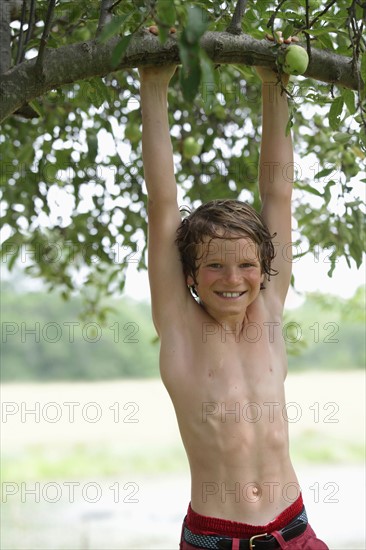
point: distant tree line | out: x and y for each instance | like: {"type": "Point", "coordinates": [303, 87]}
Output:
{"type": "Point", "coordinates": [44, 339]}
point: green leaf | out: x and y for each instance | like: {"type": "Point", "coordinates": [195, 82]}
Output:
{"type": "Point", "coordinates": [341, 137]}
{"type": "Point", "coordinates": [37, 108]}
{"type": "Point", "coordinates": [289, 31]}
{"type": "Point", "coordinates": [11, 247]}
{"type": "Point", "coordinates": [92, 141]}
{"type": "Point", "coordinates": [114, 27]}
{"type": "Point", "coordinates": [190, 79]}
{"type": "Point", "coordinates": [335, 112]}
{"type": "Point", "coordinates": [362, 138]}
{"type": "Point", "coordinates": [208, 85]}
{"type": "Point", "coordinates": [333, 262]}
{"type": "Point", "coordinates": [100, 90]}
{"type": "Point", "coordinates": [92, 93]}
{"type": "Point", "coordinates": [197, 23]}
{"type": "Point", "coordinates": [166, 15]}
{"type": "Point", "coordinates": [120, 49]}
{"type": "Point", "coordinates": [349, 99]}
{"type": "Point", "coordinates": [166, 12]}
{"type": "Point", "coordinates": [323, 173]}
{"type": "Point", "coordinates": [62, 159]}
{"type": "Point", "coordinates": [289, 124]}
{"type": "Point", "coordinates": [326, 41]}
{"type": "Point", "coordinates": [189, 50]}
{"type": "Point", "coordinates": [311, 190]}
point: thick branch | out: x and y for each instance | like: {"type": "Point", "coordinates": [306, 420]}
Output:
{"type": "Point", "coordinates": [85, 60]}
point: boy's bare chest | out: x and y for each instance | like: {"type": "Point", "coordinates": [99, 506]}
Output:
{"type": "Point", "coordinates": [218, 365]}
{"type": "Point", "coordinates": [253, 349]}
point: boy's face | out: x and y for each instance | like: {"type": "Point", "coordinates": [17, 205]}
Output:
{"type": "Point", "coordinates": [228, 277]}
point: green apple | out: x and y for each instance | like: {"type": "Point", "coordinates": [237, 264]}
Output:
{"type": "Point", "coordinates": [191, 147]}
{"type": "Point", "coordinates": [341, 137]}
{"type": "Point", "coordinates": [219, 111]}
{"type": "Point", "coordinates": [348, 159]}
{"type": "Point", "coordinates": [295, 60]}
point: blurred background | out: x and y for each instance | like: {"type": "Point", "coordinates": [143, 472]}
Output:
{"type": "Point", "coordinates": [91, 453]}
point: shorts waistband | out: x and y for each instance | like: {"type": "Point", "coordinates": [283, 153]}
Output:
{"type": "Point", "coordinates": [200, 524]}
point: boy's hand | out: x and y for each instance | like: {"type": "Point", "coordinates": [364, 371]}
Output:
{"type": "Point", "coordinates": [161, 74]}
{"type": "Point", "coordinates": [267, 75]}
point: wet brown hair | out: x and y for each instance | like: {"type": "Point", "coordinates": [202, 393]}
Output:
{"type": "Point", "coordinates": [220, 219]}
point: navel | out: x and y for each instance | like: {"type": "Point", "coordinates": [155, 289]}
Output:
{"type": "Point", "coordinates": [256, 490]}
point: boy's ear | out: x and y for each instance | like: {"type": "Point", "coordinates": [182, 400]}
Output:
{"type": "Point", "coordinates": [190, 281]}
{"type": "Point", "coordinates": [262, 287]}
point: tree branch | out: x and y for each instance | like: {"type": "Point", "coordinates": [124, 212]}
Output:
{"type": "Point", "coordinates": [356, 38]}
{"type": "Point", "coordinates": [307, 36]}
{"type": "Point", "coordinates": [235, 23]}
{"type": "Point", "coordinates": [5, 36]}
{"type": "Point", "coordinates": [45, 34]}
{"type": "Point", "coordinates": [105, 15]}
{"type": "Point", "coordinates": [74, 62]}
{"type": "Point", "coordinates": [31, 20]}
{"type": "Point", "coordinates": [20, 39]}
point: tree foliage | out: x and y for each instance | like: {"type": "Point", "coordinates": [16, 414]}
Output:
{"type": "Point", "coordinates": [73, 196]}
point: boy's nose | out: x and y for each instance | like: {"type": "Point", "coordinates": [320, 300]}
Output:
{"type": "Point", "coordinates": [232, 274]}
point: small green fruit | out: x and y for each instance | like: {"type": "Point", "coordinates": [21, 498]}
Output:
{"type": "Point", "coordinates": [295, 61]}
{"type": "Point", "coordinates": [348, 159]}
{"type": "Point", "coordinates": [341, 137]}
{"type": "Point", "coordinates": [191, 148]}
{"type": "Point", "coordinates": [220, 111]}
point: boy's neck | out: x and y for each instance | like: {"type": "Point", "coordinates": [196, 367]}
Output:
{"type": "Point", "coordinates": [231, 325]}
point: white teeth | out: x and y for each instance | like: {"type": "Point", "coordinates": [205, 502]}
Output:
{"type": "Point", "coordinates": [231, 294]}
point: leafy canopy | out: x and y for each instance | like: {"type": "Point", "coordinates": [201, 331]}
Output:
{"type": "Point", "coordinates": [72, 189]}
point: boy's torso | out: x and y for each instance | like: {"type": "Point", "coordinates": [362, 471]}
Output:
{"type": "Point", "coordinates": [228, 393]}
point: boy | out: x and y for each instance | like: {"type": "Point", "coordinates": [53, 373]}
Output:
{"type": "Point", "coordinates": [222, 356]}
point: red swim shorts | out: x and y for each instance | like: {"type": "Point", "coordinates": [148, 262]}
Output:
{"type": "Point", "coordinates": [289, 531]}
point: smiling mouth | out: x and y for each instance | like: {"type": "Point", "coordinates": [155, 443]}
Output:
{"type": "Point", "coordinates": [230, 294]}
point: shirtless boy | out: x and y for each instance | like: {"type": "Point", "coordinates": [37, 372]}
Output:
{"type": "Point", "coordinates": [222, 357]}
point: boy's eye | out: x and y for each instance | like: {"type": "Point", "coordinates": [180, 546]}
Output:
{"type": "Point", "coordinates": [246, 265]}
{"type": "Point", "coordinates": [214, 265]}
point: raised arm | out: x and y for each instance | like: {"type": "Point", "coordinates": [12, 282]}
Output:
{"type": "Point", "coordinates": [167, 285]}
{"type": "Point", "coordinates": [276, 174]}
{"type": "Point", "coordinates": [156, 144]}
